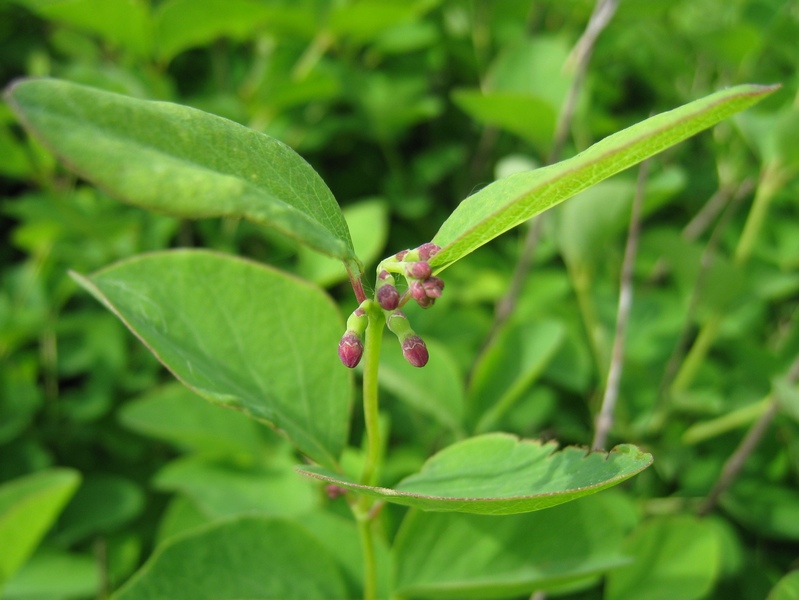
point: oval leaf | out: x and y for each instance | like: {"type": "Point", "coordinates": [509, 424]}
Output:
{"type": "Point", "coordinates": [240, 335]}
{"type": "Point", "coordinates": [28, 507]}
{"type": "Point", "coordinates": [499, 474]}
{"type": "Point", "coordinates": [252, 558]}
{"type": "Point", "coordinates": [182, 161]}
{"type": "Point", "coordinates": [509, 202]}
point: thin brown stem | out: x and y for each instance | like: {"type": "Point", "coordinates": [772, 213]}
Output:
{"type": "Point", "coordinates": [735, 463]}
{"type": "Point", "coordinates": [604, 419]}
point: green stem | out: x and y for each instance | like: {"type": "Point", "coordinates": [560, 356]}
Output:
{"type": "Point", "coordinates": [367, 544]}
{"type": "Point", "coordinates": [362, 508]}
{"type": "Point", "coordinates": [374, 337]}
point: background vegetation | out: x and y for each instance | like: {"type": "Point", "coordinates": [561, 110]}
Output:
{"type": "Point", "coordinates": [404, 108]}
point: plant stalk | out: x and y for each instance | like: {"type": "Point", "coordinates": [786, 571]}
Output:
{"type": "Point", "coordinates": [362, 508]}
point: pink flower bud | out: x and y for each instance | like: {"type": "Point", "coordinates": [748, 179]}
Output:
{"type": "Point", "coordinates": [428, 250]}
{"type": "Point", "coordinates": [401, 254]}
{"type": "Point", "coordinates": [417, 291]}
{"type": "Point", "coordinates": [433, 286]}
{"type": "Point", "coordinates": [388, 297]}
{"type": "Point", "coordinates": [350, 349]}
{"type": "Point", "coordinates": [415, 351]}
{"type": "Point", "coordinates": [333, 491]}
{"type": "Point", "coordinates": [418, 270]}
{"type": "Point", "coordinates": [426, 302]}
{"type": "Point", "coordinates": [383, 275]}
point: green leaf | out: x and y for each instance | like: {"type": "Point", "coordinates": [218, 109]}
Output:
{"type": "Point", "coordinates": [223, 490]}
{"type": "Point", "coordinates": [676, 557]}
{"type": "Point", "coordinates": [176, 415]}
{"type": "Point", "coordinates": [241, 335]}
{"type": "Point", "coordinates": [478, 556]}
{"type": "Point", "coordinates": [52, 575]}
{"type": "Point", "coordinates": [123, 23]}
{"type": "Point", "coordinates": [182, 24]}
{"type": "Point", "coordinates": [787, 588]}
{"type": "Point", "coordinates": [102, 505]}
{"type": "Point", "coordinates": [28, 507]}
{"type": "Point", "coordinates": [498, 474]}
{"type": "Point", "coordinates": [529, 117]}
{"type": "Point", "coordinates": [509, 202]}
{"type": "Point", "coordinates": [182, 161]}
{"type": "Point", "coordinates": [249, 558]}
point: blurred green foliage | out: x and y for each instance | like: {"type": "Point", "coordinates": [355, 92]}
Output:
{"type": "Point", "coordinates": [405, 107]}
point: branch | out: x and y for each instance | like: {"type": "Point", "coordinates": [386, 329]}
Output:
{"type": "Point", "coordinates": [734, 465]}
{"type": "Point", "coordinates": [604, 420]}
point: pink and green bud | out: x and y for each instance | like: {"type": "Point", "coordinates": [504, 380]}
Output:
{"type": "Point", "coordinates": [418, 270]}
{"type": "Point", "coordinates": [426, 302]}
{"type": "Point", "coordinates": [415, 351]}
{"type": "Point", "coordinates": [433, 286]}
{"type": "Point", "coordinates": [350, 349]}
{"type": "Point", "coordinates": [417, 290]}
{"type": "Point", "coordinates": [428, 250]}
{"type": "Point", "coordinates": [401, 254]}
{"type": "Point", "coordinates": [388, 297]}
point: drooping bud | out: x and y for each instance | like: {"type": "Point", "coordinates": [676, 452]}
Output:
{"type": "Point", "coordinates": [350, 349]}
{"type": "Point", "coordinates": [428, 250]}
{"type": "Point", "coordinates": [388, 297]}
{"type": "Point", "coordinates": [415, 351]}
{"type": "Point", "coordinates": [433, 286]}
{"type": "Point", "coordinates": [426, 302]}
{"type": "Point", "coordinates": [418, 270]}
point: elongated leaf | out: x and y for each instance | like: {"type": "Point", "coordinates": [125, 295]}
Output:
{"type": "Point", "coordinates": [240, 335]}
{"type": "Point", "coordinates": [478, 556]}
{"type": "Point", "coordinates": [511, 201]}
{"type": "Point", "coordinates": [182, 161]}
{"type": "Point", "coordinates": [28, 507]}
{"type": "Point", "coordinates": [248, 558]}
{"type": "Point", "coordinates": [499, 474]}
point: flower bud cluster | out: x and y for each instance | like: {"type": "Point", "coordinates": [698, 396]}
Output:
{"type": "Point", "coordinates": [423, 287]}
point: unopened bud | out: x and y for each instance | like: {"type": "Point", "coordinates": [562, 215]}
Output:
{"type": "Point", "coordinates": [428, 250]}
{"type": "Point", "coordinates": [426, 302]}
{"type": "Point", "coordinates": [433, 286]}
{"type": "Point", "coordinates": [334, 491]}
{"type": "Point", "coordinates": [350, 349]}
{"type": "Point", "coordinates": [418, 270]}
{"type": "Point", "coordinates": [383, 275]}
{"type": "Point", "coordinates": [417, 290]}
{"type": "Point", "coordinates": [415, 351]}
{"type": "Point", "coordinates": [401, 254]}
{"type": "Point", "coordinates": [388, 297]}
